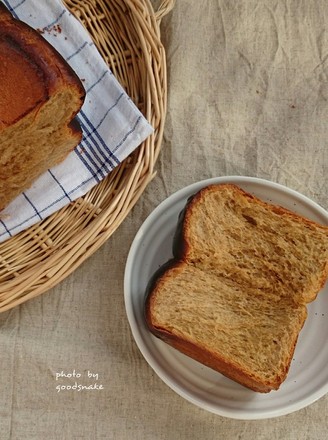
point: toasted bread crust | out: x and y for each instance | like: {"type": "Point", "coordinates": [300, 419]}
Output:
{"type": "Point", "coordinates": [29, 68]}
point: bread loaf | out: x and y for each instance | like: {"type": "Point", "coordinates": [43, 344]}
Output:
{"type": "Point", "coordinates": [40, 96]}
{"type": "Point", "coordinates": [234, 296]}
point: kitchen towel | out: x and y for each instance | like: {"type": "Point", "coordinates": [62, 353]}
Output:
{"type": "Point", "coordinates": [112, 125]}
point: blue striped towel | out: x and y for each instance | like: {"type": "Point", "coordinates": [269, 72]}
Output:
{"type": "Point", "coordinates": [112, 125]}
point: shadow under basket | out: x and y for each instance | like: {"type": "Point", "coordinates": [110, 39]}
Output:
{"type": "Point", "coordinates": [127, 35]}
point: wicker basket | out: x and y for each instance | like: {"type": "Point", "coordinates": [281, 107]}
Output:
{"type": "Point", "coordinates": [127, 35]}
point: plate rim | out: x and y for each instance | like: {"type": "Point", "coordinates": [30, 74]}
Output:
{"type": "Point", "coordinates": [152, 362]}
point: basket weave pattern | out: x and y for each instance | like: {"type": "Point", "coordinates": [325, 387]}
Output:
{"type": "Point", "coordinates": [127, 34]}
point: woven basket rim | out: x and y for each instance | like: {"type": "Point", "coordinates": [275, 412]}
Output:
{"type": "Point", "coordinates": [127, 35]}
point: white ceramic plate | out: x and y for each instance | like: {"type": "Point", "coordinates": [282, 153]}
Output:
{"type": "Point", "coordinates": [307, 380]}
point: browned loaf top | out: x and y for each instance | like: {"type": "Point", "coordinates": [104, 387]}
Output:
{"type": "Point", "coordinates": [234, 296]}
{"type": "Point", "coordinates": [40, 96]}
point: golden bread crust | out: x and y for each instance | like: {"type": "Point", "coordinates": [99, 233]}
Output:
{"type": "Point", "coordinates": [31, 70]}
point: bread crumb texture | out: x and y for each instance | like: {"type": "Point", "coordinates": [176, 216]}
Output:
{"type": "Point", "coordinates": [236, 298]}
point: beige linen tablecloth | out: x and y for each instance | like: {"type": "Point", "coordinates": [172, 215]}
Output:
{"type": "Point", "coordinates": [247, 96]}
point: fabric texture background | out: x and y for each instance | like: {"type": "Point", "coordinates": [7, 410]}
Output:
{"type": "Point", "coordinates": [112, 125]}
{"type": "Point", "coordinates": [247, 96]}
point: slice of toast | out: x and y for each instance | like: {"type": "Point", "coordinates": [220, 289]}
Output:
{"type": "Point", "coordinates": [234, 296]}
